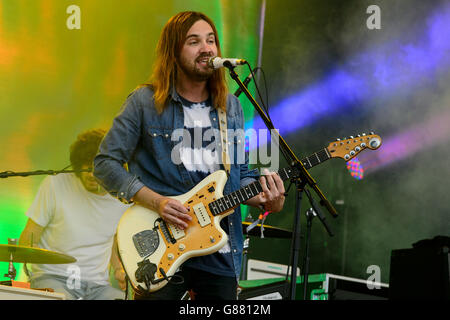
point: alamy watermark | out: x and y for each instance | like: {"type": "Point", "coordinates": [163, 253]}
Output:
{"type": "Point", "coordinates": [374, 280]}
{"type": "Point", "coordinates": [251, 146]}
{"type": "Point", "coordinates": [74, 20]}
{"type": "Point", "coordinates": [73, 277]}
{"type": "Point", "coordinates": [374, 20]}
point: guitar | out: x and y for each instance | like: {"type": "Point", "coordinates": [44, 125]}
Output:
{"type": "Point", "coordinates": [151, 250]}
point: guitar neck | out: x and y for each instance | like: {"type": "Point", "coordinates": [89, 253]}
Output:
{"type": "Point", "coordinates": [232, 200]}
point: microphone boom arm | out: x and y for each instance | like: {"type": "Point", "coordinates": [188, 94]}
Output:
{"type": "Point", "coordinates": [7, 174]}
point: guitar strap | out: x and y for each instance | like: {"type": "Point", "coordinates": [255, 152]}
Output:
{"type": "Point", "coordinates": [224, 140]}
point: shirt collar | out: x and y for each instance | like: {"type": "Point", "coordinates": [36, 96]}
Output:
{"type": "Point", "coordinates": [174, 94]}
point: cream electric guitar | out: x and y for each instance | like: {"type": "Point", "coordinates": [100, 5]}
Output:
{"type": "Point", "coordinates": [152, 250]}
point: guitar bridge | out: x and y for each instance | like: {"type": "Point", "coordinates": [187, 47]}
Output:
{"type": "Point", "coordinates": [165, 231]}
{"type": "Point", "coordinates": [146, 242]}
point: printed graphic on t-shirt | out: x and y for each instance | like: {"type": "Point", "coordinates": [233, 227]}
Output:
{"type": "Point", "coordinates": [200, 158]}
{"type": "Point", "coordinates": [198, 152]}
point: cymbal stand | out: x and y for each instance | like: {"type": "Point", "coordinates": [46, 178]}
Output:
{"type": "Point", "coordinates": [11, 270]}
{"type": "Point", "coordinates": [245, 258]}
{"type": "Point", "coordinates": [244, 274]}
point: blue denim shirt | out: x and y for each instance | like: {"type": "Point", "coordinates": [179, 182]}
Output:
{"type": "Point", "coordinates": [142, 138]}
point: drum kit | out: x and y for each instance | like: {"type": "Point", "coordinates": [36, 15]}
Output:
{"type": "Point", "coordinates": [261, 231]}
{"type": "Point", "coordinates": [18, 290]}
{"type": "Point", "coordinates": [12, 252]}
{"type": "Point", "coordinates": [266, 230]}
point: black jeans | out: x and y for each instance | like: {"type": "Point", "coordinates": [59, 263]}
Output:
{"type": "Point", "coordinates": [200, 284]}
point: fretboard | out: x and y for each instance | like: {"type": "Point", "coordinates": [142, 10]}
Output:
{"type": "Point", "coordinates": [237, 197]}
{"type": "Point", "coordinates": [316, 158]}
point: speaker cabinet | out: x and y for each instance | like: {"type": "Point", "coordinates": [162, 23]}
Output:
{"type": "Point", "coordinates": [422, 272]}
{"type": "Point", "coordinates": [324, 286]}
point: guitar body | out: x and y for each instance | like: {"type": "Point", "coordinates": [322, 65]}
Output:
{"type": "Point", "coordinates": [141, 234]}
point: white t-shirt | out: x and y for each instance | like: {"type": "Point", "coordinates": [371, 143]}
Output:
{"type": "Point", "coordinates": [77, 223]}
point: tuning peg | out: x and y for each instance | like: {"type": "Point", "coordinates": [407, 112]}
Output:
{"type": "Point", "coordinates": [338, 139]}
{"type": "Point", "coordinates": [351, 137]}
{"type": "Point", "coordinates": [372, 133]}
{"type": "Point", "coordinates": [363, 134]}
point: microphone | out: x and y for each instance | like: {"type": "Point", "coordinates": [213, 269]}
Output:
{"type": "Point", "coordinates": [245, 83]}
{"type": "Point", "coordinates": [217, 62]}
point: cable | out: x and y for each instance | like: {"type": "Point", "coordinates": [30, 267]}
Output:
{"type": "Point", "coordinates": [257, 89]}
{"type": "Point", "coordinates": [66, 167]}
{"type": "Point", "coordinates": [265, 86]}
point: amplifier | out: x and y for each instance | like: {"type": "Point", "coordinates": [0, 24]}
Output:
{"type": "Point", "coordinates": [324, 286]}
{"type": "Point", "coordinates": [258, 269]}
{"type": "Point", "coordinates": [422, 272]}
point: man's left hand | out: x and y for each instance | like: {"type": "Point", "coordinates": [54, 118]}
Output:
{"type": "Point", "coordinates": [272, 197]}
{"type": "Point", "coordinates": [119, 274]}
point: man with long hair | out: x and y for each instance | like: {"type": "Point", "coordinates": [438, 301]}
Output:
{"type": "Point", "coordinates": [74, 215]}
{"type": "Point", "coordinates": [184, 93]}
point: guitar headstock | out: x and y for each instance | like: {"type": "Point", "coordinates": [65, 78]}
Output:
{"type": "Point", "coordinates": [348, 148]}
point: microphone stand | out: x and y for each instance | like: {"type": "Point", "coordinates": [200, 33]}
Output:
{"type": "Point", "coordinates": [310, 214]}
{"type": "Point", "coordinates": [300, 182]}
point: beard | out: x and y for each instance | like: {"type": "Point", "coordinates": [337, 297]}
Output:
{"type": "Point", "coordinates": [192, 69]}
{"type": "Point", "coordinates": [90, 184]}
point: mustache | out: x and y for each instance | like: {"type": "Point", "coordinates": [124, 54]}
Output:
{"type": "Point", "coordinates": [203, 55]}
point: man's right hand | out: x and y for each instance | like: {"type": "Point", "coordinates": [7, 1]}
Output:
{"type": "Point", "coordinates": [174, 212]}
{"type": "Point", "coordinates": [171, 210]}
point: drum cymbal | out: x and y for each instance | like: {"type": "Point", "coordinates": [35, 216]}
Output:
{"type": "Point", "coordinates": [24, 254]}
{"type": "Point", "coordinates": [269, 231]}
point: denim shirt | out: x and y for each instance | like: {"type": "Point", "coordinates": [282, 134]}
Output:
{"type": "Point", "coordinates": [142, 139]}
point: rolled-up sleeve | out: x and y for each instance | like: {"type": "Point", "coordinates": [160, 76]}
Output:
{"type": "Point", "coordinates": [116, 150]}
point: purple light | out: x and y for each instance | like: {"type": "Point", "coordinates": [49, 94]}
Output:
{"type": "Point", "coordinates": [340, 89]}
{"type": "Point", "coordinates": [434, 131]}
{"type": "Point", "coordinates": [382, 71]}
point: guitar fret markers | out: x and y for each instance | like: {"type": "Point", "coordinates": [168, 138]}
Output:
{"type": "Point", "coordinates": [239, 196]}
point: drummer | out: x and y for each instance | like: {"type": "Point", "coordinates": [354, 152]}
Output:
{"type": "Point", "coordinates": [74, 215]}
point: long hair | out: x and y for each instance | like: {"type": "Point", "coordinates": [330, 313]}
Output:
{"type": "Point", "coordinates": [168, 51]}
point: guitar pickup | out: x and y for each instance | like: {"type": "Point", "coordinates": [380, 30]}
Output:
{"type": "Point", "coordinates": [177, 233]}
{"type": "Point", "coordinates": [202, 214]}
